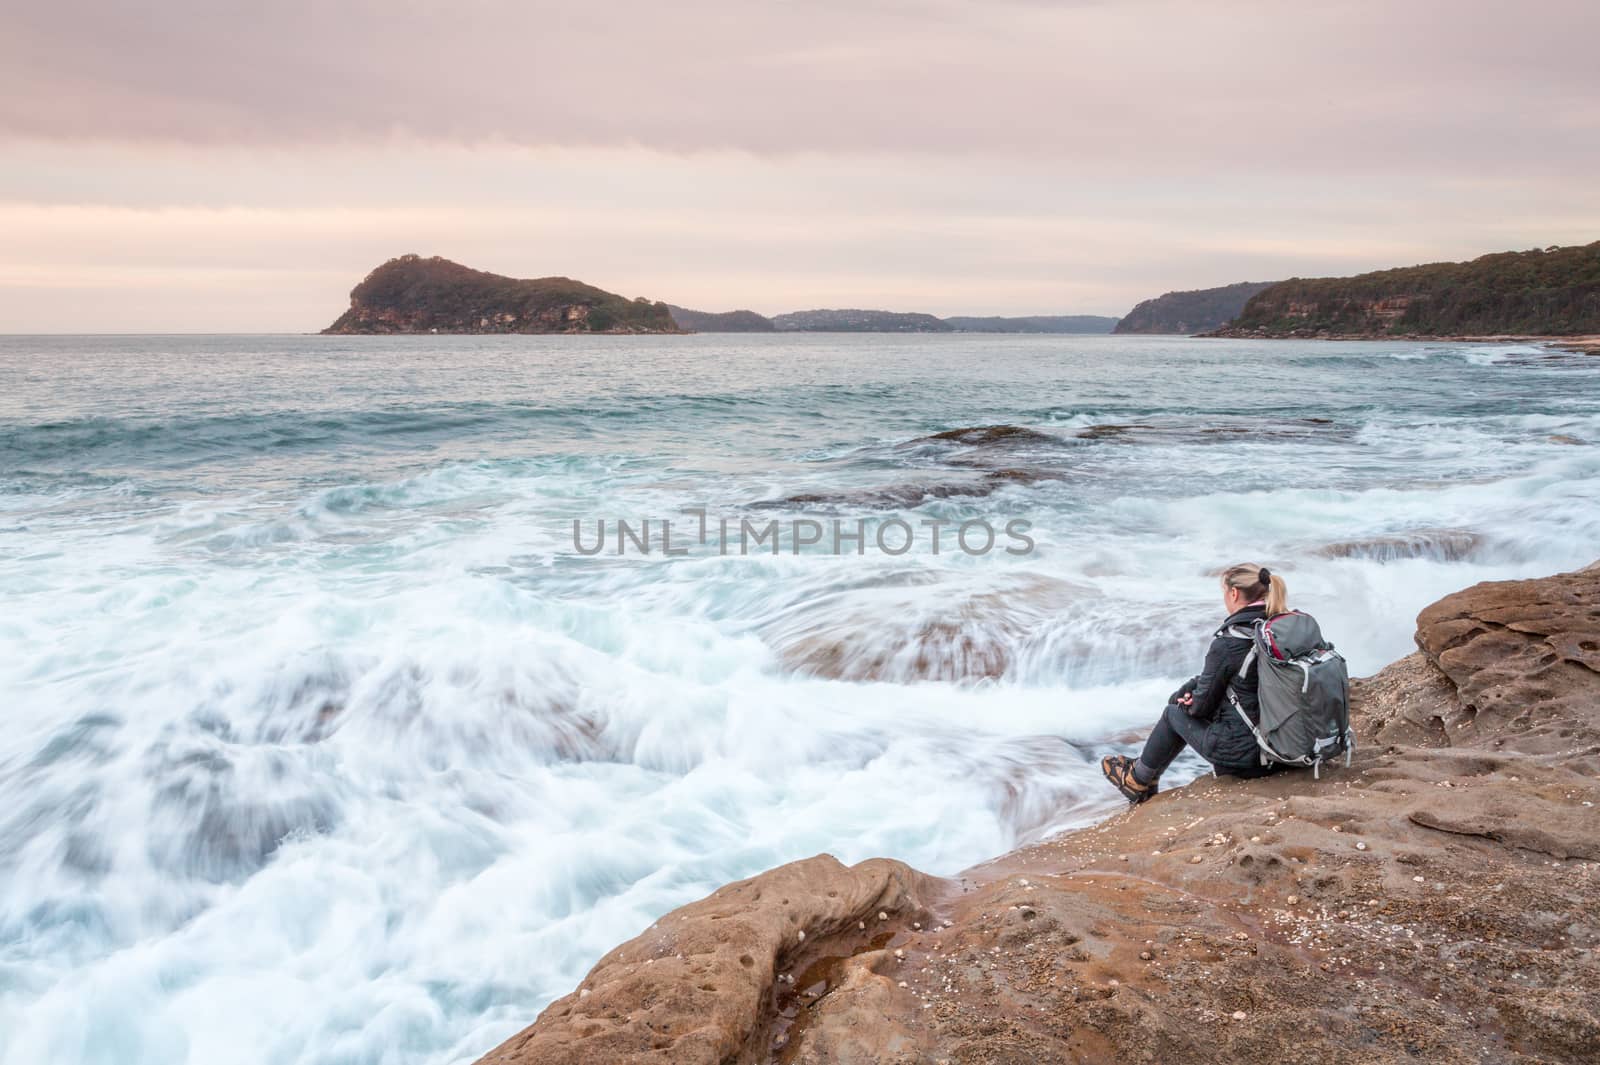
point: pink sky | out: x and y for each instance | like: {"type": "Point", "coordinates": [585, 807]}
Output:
{"type": "Point", "coordinates": [223, 166]}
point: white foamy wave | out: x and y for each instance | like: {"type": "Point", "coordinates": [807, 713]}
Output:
{"type": "Point", "coordinates": [362, 810]}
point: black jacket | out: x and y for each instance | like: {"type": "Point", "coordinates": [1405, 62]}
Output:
{"type": "Point", "coordinates": [1233, 745]}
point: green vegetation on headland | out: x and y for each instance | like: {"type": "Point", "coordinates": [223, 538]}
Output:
{"type": "Point", "coordinates": [867, 321]}
{"type": "Point", "coordinates": [1036, 323]}
{"type": "Point", "coordinates": [1192, 311]}
{"type": "Point", "coordinates": [721, 322]}
{"type": "Point", "coordinates": [1552, 291]}
{"type": "Point", "coordinates": [859, 321]}
{"type": "Point", "coordinates": [416, 295]}
{"type": "Point", "coordinates": [412, 294]}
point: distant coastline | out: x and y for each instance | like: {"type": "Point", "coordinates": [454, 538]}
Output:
{"type": "Point", "coordinates": [1542, 294]}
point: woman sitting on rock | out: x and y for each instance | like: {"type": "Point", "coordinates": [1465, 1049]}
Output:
{"type": "Point", "coordinates": [1199, 714]}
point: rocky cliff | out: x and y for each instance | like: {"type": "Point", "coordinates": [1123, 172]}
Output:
{"type": "Point", "coordinates": [1438, 901]}
{"type": "Point", "coordinates": [416, 295]}
{"type": "Point", "coordinates": [1544, 292]}
{"type": "Point", "coordinates": [1190, 312]}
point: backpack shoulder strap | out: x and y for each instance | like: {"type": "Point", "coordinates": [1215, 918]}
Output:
{"type": "Point", "coordinates": [1243, 632]}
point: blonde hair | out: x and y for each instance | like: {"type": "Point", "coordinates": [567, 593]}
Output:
{"type": "Point", "coordinates": [1246, 577]}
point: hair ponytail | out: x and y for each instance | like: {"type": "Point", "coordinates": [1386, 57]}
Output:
{"type": "Point", "coordinates": [1258, 584]}
{"type": "Point", "coordinates": [1277, 596]}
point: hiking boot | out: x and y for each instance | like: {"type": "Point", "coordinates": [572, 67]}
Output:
{"type": "Point", "coordinates": [1119, 770]}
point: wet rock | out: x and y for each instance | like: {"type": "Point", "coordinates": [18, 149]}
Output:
{"type": "Point", "coordinates": [964, 463]}
{"type": "Point", "coordinates": [913, 492]}
{"type": "Point", "coordinates": [1209, 430]}
{"type": "Point", "coordinates": [1441, 545]}
{"type": "Point", "coordinates": [213, 819]}
{"type": "Point", "coordinates": [988, 435]}
{"type": "Point", "coordinates": [887, 635]}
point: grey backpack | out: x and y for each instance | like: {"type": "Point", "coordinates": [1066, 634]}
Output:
{"type": "Point", "coordinates": [1304, 691]}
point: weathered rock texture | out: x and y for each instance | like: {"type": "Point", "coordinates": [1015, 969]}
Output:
{"type": "Point", "coordinates": [1436, 902]}
{"type": "Point", "coordinates": [702, 981]}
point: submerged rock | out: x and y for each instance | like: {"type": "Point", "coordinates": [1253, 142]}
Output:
{"type": "Point", "coordinates": [984, 435]}
{"type": "Point", "coordinates": [1442, 545]}
{"type": "Point", "coordinates": [1212, 430]}
{"type": "Point", "coordinates": [904, 495]}
{"type": "Point", "coordinates": [908, 636]}
{"type": "Point", "coordinates": [971, 462]}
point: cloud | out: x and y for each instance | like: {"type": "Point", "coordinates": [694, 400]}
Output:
{"type": "Point", "coordinates": [1346, 83]}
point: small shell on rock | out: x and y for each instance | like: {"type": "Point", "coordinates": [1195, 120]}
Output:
{"type": "Point", "coordinates": [1196, 860]}
{"type": "Point", "coordinates": [1361, 846]}
{"type": "Point", "coordinates": [1238, 1015]}
{"type": "Point", "coordinates": [801, 935]}
{"type": "Point", "coordinates": [899, 953]}
{"type": "Point", "coordinates": [903, 983]}
{"type": "Point", "coordinates": [1292, 899]}
{"type": "Point", "coordinates": [1418, 879]}
{"type": "Point", "coordinates": [882, 916]}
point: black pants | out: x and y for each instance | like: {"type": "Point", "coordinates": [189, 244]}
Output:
{"type": "Point", "coordinates": [1177, 730]}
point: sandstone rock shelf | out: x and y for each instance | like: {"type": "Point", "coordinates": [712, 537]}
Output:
{"type": "Point", "coordinates": [1438, 901]}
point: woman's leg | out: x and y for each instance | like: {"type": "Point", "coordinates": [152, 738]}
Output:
{"type": "Point", "coordinates": [1175, 731]}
